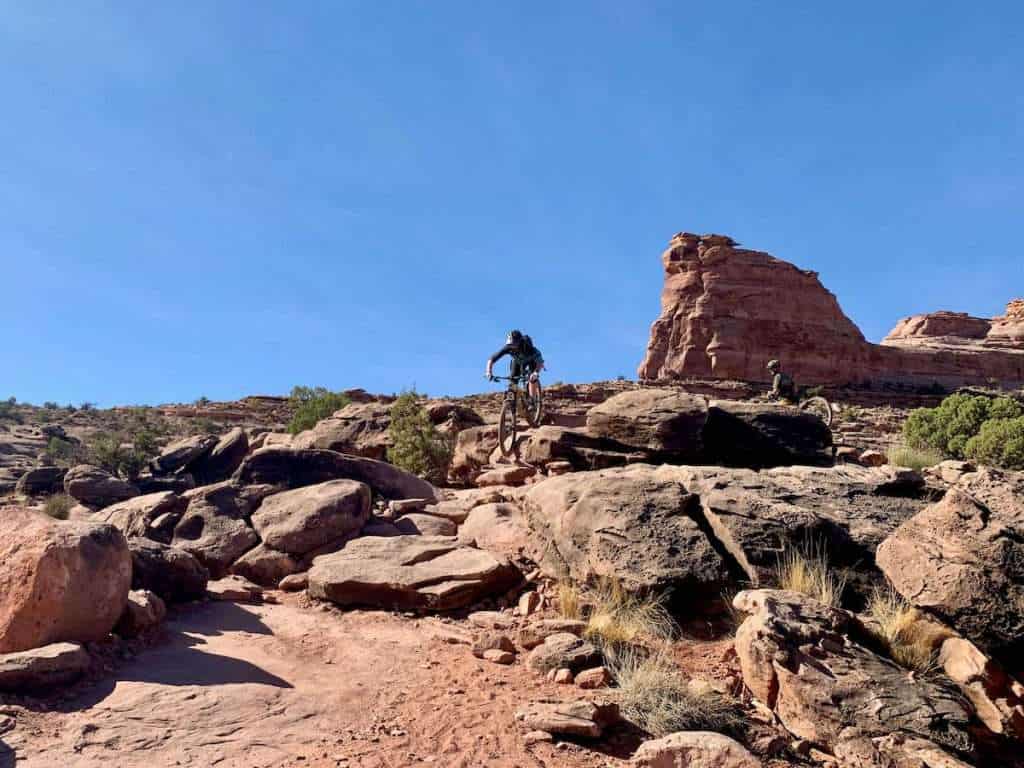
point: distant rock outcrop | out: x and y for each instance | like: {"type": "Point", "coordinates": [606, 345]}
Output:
{"type": "Point", "coordinates": [727, 310]}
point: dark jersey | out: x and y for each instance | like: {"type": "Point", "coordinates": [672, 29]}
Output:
{"type": "Point", "coordinates": [524, 355]}
{"type": "Point", "coordinates": [783, 386]}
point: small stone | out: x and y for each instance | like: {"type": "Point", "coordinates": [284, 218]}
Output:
{"type": "Point", "coordinates": [498, 656]}
{"type": "Point", "coordinates": [873, 459]}
{"type": "Point", "coordinates": [529, 603]}
{"type": "Point", "coordinates": [563, 676]}
{"type": "Point", "coordinates": [234, 589]}
{"type": "Point", "coordinates": [296, 582]}
{"type": "Point", "coordinates": [597, 677]}
{"type": "Point", "coordinates": [492, 641]}
{"type": "Point", "coordinates": [538, 737]}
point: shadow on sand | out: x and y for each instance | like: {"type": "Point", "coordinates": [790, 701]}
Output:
{"type": "Point", "coordinates": [7, 758]}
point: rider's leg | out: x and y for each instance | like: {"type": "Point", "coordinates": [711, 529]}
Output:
{"type": "Point", "coordinates": [534, 386]}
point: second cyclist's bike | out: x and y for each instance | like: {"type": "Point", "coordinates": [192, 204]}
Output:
{"type": "Point", "coordinates": [518, 400]}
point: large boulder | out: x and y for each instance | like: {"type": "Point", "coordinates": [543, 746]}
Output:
{"type": "Point", "coordinates": [41, 480]}
{"type": "Point", "coordinates": [410, 572]}
{"type": "Point", "coordinates": [299, 521]}
{"type": "Point", "coordinates": [172, 573]}
{"type": "Point", "coordinates": [630, 524]}
{"type": "Point", "coordinates": [359, 429]}
{"type": "Point", "coordinates": [153, 515]}
{"type": "Point", "coordinates": [806, 662]}
{"type": "Point", "coordinates": [214, 528]}
{"type": "Point", "coordinates": [498, 528]}
{"type": "Point", "coordinates": [38, 668]}
{"type": "Point", "coordinates": [473, 449]}
{"type": "Point", "coordinates": [963, 559]}
{"type": "Point", "coordinates": [265, 566]}
{"type": "Point", "coordinates": [59, 580]}
{"type": "Point", "coordinates": [181, 453]}
{"type": "Point", "coordinates": [223, 459]}
{"type": "Point", "coordinates": [665, 423]}
{"type": "Point", "coordinates": [758, 435]}
{"type": "Point", "coordinates": [296, 467]}
{"type": "Point", "coordinates": [96, 487]}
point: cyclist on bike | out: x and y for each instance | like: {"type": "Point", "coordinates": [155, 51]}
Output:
{"type": "Point", "coordinates": [526, 360]}
{"type": "Point", "coordinates": [783, 386]}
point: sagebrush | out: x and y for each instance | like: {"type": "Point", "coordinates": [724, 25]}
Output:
{"type": "Point", "coordinates": [985, 429]}
{"type": "Point", "coordinates": [58, 506]}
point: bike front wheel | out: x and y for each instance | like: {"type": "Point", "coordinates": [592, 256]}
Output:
{"type": "Point", "coordinates": [819, 407]}
{"type": "Point", "coordinates": [534, 407]}
{"type": "Point", "coordinates": [507, 427]}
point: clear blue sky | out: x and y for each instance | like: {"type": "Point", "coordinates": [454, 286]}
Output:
{"type": "Point", "coordinates": [228, 197]}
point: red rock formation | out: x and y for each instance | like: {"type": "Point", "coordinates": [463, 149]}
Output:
{"type": "Point", "coordinates": [726, 311]}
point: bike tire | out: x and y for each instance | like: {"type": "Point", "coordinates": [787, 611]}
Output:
{"type": "Point", "coordinates": [819, 407]}
{"type": "Point", "coordinates": [507, 428]}
{"type": "Point", "coordinates": [534, 410]}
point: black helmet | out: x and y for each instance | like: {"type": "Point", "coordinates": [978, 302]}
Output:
{"type": "Point", "coordinates": [514, 337]}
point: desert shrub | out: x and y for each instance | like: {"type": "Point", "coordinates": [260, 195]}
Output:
{"type": "Point", "coordinates": [8, 410]}
{"type": "Point", "coordinates": [999, 442]}
{"type": "Point", "coordinates": [653, 696]}
{"type": "Point", "coordinates": [617, 617]}
{"type": "Point", "coordinates": [417, 445]}
{"type": "Point", "coordinates": [312, 404]}
{"type": "Point", "coordinates": [58, 506]}
{"type": "Point", "coordinates": [120, 453]}
{"type": "Point", "coordinates": [902, 455]}
{"type": "Point", "coordinates": [201, 401]}
{"type": "Point", "coordinates": [909, 640]}
{"type": "Point", "coordinates": [807, 570]}
{"type": "Point", "coordinates": [50, 405]}
{"type": "Point", "coordinates": [948, 428]}
{"type": "Point", "coordinates": [204, 425]}
{"type": "Point", "coordinates": [87, 406]}
{"type": "Point", "coordinates": [63, 452]}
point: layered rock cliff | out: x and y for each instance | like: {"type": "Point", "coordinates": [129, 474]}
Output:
{"type": "Point", "coordinates": [726, 310]}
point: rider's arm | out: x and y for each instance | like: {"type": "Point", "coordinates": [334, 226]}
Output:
{"type": "Point", "coordinates": [776, 383]}
{"type": "Point", "coordinates": [508, 349]}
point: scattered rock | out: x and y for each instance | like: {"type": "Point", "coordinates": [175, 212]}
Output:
{"type": "Point", "coordinates": [223, 459]}
{"type": "Point", "coordinates": [473, 448]}
{"type": "Point", "coordinates": [181, 453]}
{"type": "Point", "coordinates": [234, 589]}
{"type": "Point", "coordinates": [562, 676]}
{"type": "Point", "coordinates": [96, 487]}
{"type": "Point", "coordinates": [563, 650]}
{"type": "Point", "coordinates": [299, 521]}
{"type": "Point", "coordinates": [537, 737]}
{"type": "Point", "coordinates": [529, 603]}
{"type": "Point", "coordinates": [409, 572]}
{"type": "Point", "coordinates": [597, 677]}
{"type": "Point", "coordinates": [695, 749]}
{"type": "Point", "coordinates": [491, 620]}
{"type": "Point", "coordinates": [294, 583]}
{"type": "Point", "coordinates": [139, 516]}
{"type": "Point", "coordinates": [490, 641]}
{"type": "Point", "coordinates": [143, 611]}
{"type": "Point", "coordinates": [873, 459]}
{"type": "Point", "coordinates": [59, 580]}
{"type": "Point", "coordinates": [44, 667]}
{"type": "Point", "coordinates": [498, 656]}
{"type": "Point", "coordinates": [265, 566]}
{"type": "Point", "coordinates": [399, 507]}
{"type": "Point", "coordinates": [534, 634]}
{"type": "Point", "coordinates": [571, 718]}
{"type": "Point", "coordinates": [510, 475]}
{"type": "Point", "coordinates": [997, 698]}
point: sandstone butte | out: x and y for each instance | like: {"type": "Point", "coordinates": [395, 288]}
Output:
{"type": "Point", "coordinates": [725, 311]}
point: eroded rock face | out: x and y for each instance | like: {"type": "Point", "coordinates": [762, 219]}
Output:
{"type": "Point", "coordinates": [96, 487]}
{"type": "Point", "coordinates": [294, 468]}
{"type": "Point", "coordinates": [299, 521]}
{"type": "Point", "coordinates": [804, 661]}
{"type": "Point", "coordinates": [214, 528]}
{"type": "Point", "coordinates": [153, 515]}
{"type": "Point", "coordinates": [963, 559]}
{"type": "Point", "coordinates": [409, 572]}
{"type": "Point", "coordinates": [725, 311]}
{"type": "Point", "coordinates": [59, 580]}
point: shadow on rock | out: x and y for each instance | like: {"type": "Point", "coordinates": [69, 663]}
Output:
{"type": "Point", "coordinates": [7, 758]}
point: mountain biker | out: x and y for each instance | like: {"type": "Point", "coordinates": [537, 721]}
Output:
{"type": "Point", "coordinates": [526, 360]}
{"type": "Point", "coordinates": [783, 386]}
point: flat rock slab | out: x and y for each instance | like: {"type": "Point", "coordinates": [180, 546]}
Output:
{"type": "Point", "coordinates": [299, 521]}
{"type": "Point", "coordinates": [50, 665]}
{"type": "Point", "coordinates": [563, 651]}
{"type": "Point", "coordinates": [234, 589]}
{"type": "Point", "coordinates": [432, 572]}
{"type": "Point", "coordinates": [571, 718]}
{"type": "Point", "coordinates": [694, 749]}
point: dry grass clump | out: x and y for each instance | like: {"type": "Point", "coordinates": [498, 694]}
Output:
{"type": "Point", "coordinates": [807, 570]}
{"type": "Point", "coordinates": [653, 696]}
{"type": "Point", "coordinates": [570, 602]}
{"type": "Point", "coordinates": [902, 455]}
{"type": "Point", "coordinates": [617, 617]}
{"type": "Point", "coordinates": [58, 506]}
{"type": "Point", "coordinates": [909, 640]}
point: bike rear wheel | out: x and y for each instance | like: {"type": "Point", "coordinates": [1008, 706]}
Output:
{"type": "Point", "coordinates": [820, 407]}
{"type": "Point", "coordinates": [507, 427]}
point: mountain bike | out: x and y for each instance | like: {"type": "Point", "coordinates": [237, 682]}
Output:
{"type": "Point", "coordinates": [517, 396]}
{"type": "Point", "coordinates": [816, 405]}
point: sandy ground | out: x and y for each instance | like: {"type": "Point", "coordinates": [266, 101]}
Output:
{"type": "Point", "coordinates": [248, 686]}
